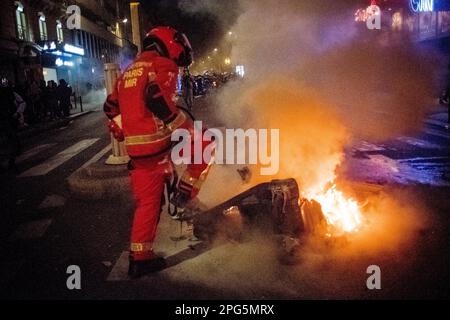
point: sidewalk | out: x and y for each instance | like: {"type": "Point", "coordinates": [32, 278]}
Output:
{"type": "Point", "coordinates": [41, 127]}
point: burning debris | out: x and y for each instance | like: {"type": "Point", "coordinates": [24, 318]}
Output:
{"type": "Point", "coordinates": [276, 209]}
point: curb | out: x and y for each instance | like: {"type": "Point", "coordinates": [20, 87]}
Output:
{"type": "Point", "coordinates": [100, 181]}
{"type": "Point", "coordinates": [53, 125]}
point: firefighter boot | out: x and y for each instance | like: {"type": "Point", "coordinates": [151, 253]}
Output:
{"type": "Point", "coordinates": [139, 268]}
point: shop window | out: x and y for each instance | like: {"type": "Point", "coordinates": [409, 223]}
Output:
{"type": "Point", "coordinates": [21, 22]}
{"type": "Point", "coordinates": [42, 27]}
{"type": "Point", "coordinates": [59, 31]}
{"type": "Point", "coordinates": [397, 21]}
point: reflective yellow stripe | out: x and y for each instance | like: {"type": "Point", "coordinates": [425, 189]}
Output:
{"type": "Point", "coordinates": [145, 139]}
{"type": "Point", "coordinates": [179, 120]}
{"type": "Point", "coordinates": [197, 183]}
{"type": "Point", "coordinates": [158, 136]}
{"type": "Point", "coordinates": [141, 247]}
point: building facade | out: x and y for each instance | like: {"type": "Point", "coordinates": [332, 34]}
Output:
{"type": "Point", "coordinates": [71, 40]}
{"type": "Point", "coordinates": [425, 21]}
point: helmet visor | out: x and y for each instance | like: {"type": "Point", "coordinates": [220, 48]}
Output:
{"type": "Point", "coordinates": [187, 56]}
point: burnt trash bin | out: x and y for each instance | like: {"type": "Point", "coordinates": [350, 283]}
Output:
{"type": "Point", "coordinates": [270, 207]}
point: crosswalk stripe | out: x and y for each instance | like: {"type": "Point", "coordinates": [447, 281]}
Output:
{"type": "Point", "coordinates": [419, 143]}
{"type": "Point", "coordinates": [59, 159]}
{"type": "Point", "coordinates": [436, 122]}
{"type": "Point", "coordinates": [120, 269]}
{"type": "Point", "coordinates": [31, 230]}
{"type": "Point", "coordinates": [365, 146]}
{"type": "Point", "coordinates": [437, 133]}
{"type": "Point", "coordinates": [34, 151]}
{"type": "Point", "coordinates": [431, 164]}
{"type": "Point", "coordinates": [419, 159]}
{"type": "Point", "coordinates": [97, 157]}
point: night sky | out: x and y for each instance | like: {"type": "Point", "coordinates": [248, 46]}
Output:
{"type": "Point", "coordinates": [204, 21]}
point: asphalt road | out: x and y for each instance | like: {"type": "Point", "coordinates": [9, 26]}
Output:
{"type": "Point", "coordinates": [44, 229]}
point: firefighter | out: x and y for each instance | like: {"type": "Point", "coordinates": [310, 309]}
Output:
{"type": "Point", "coordinates": [144, 100]}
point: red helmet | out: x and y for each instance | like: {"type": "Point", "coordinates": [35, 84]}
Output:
{"type": "Point", "coordinates": [170, 44]}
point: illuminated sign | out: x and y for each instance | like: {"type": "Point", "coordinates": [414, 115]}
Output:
{"type": "Point", "coordinates": [60, 62]}
{"type": "Point", "coordinates": [421, 5]}
{"type": "Point", "coordinates": [52, 46]}
{"type": "Point", "coordinates": [72, 49]}
{"type": "Point", "coordinates": [240, 70]}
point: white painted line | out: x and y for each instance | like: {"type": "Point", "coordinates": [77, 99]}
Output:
{"type": "Point", "coordinates": [365, 146]}
{"type": "Point", "coordinates": [52, 201]}
{"type": "Point", "coordinates": [430, 164]}
{"type": "Point", "coordinates": [419, 143]}
{"type": "Point", "coordinates": [34, 151]}
{"type": "Point", "coordinates": [437, 133]}
{"type": "Point", "coordinates": [120, 270]}
{"type": "Point", "coordinates": [436, 122]}
{"type": "Point", "coordinates": [418, 159]}
{"type": "Point", "coordinates": [31, 230]}
{"type": "Point", "coordinates": [97, 157]}
{"type": "Point", "coordinates": [59, 159]}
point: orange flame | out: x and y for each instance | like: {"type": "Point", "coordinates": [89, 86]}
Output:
{"type": "Point", "coordinates": [343, 214]}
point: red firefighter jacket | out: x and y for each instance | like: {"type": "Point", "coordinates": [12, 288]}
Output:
{"type": "Point", "coordinates": [144, 96]}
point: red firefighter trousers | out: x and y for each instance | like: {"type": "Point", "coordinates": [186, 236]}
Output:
{"type": "Point", "coordinates": [148, 178]}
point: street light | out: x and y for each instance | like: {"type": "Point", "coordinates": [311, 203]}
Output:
{"type": "Point", "coordinates": [227, 61]}
{"type": "Point", "coordinates": [215, 49]}
{"type": "Point", "coordinates": [125, 28]}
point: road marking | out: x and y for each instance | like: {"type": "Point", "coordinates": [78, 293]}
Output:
{"type": "Point", "coordinates": [436, 122]}
{"type": "Point", "coordinates": [52, 201]}
{"type": "Point", "coordinates": [418, 159]}
{"type": "Point", "coordinates": [97, 157]}
{"type": "Point", "coordinates": [59, 159]}
{"type": "Point", "coordinates": [31, 230]}
{"type": "Point", "coordinates": [364, 146]}
{"type": "Point", "coordinates": [34, 151]}
{"type": "Point", "coordinates": [436, 133]}
{"type": "Point", "coordinates": [120, 270]}
{"type": "Point", "coordinates": [419, 143]}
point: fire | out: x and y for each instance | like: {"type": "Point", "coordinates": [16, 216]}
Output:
{"type": "Point", "coordinates": [342, 213]}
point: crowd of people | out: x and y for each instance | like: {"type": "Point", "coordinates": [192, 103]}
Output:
{"type": "Point", "coordinates": [202, 84]}
{"type": "Point", "coordinates": [29, 104]}
{"type": "Point", "coordinates": [41, 101]}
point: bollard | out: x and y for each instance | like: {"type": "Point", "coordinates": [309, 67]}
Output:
{"type": "Point", "coordinates": [74, 100]}
{"type": "Point", "coordinates": [81, 104]}
{"type": "Point", "coordinates": [119, 153]}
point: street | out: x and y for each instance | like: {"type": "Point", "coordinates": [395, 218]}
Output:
{"type": "Point", "coordinates": [45, 229]}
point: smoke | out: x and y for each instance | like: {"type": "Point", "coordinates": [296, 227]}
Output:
{"type": "Point", "coordinates": [212, 17]}
{"type": "Point", "coordinates": [324, 80]}
{"type": "Point", "coordinates": [225, 11]}
{"type": "Point", "coordinates": [326, 268]}
{"type": "Point", "coordinates": [95, 97]}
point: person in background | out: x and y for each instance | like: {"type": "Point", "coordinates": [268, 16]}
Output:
{"type": "Point", "coordinates": [8, 122]}
{"type": "Point", "coordinates": [64, 93]}
{"type": "Point", "coordinates": [188, 89]}
{"type": "Point", "coordinates": [21, 106]}
{"type": "Point", "coordinates": [33, 93]}
{"type": "Point", "coordinates": [42, 101]}
{"type": "Point", "coordinates": [52, 100]}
